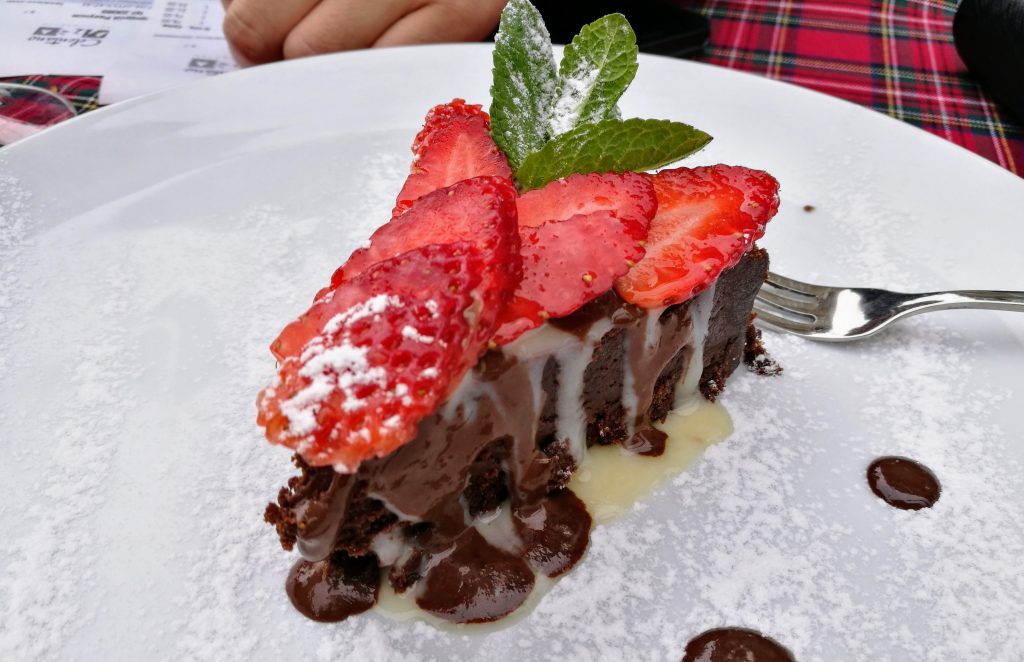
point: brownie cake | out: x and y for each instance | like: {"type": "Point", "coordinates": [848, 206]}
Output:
{"type": "Point", "coordinates": [508, 441]}
{"type": "Point", "coordinates": [535, 293]}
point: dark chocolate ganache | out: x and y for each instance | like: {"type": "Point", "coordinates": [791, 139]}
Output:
{"type": "Point", "coordinates": [334, 588]}
{"type": "Point", "coordinates": [735, 645]}
{"type": "Point", "coordinates": [903, 483]}
{"type": "Point", "coordinates": [464, 517]}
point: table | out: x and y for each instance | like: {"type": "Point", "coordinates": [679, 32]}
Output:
{"type": "Point", "coordinates": [895, 56]}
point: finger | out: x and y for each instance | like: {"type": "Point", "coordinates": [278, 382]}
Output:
{"type": "Point", "coordinates": [441, 22]}
{"type": "Point", "coordinates": [338, 25]}
{"type": "Point", "coordinates": [256, 29]}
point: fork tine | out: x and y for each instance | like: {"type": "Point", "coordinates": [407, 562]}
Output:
{"type": "Point", "coordinates": [795, 316]}
{"type": "Point", "coordinates": [782, 298]}
{"type": "Point", "coordinates": [766, 316]}
{"type": "Point", "coordinates": [799, 287]}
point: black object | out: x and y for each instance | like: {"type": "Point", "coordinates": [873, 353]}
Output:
{"type": "Point", "coordinates": [662, 27]}
{"type": "Point", "coordinates": [989, 36]}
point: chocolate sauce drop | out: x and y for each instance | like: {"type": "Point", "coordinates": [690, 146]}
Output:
{"type": "Point", "coordinates": [648, 441]}
{"type": "Point", "coordinates": [735, 645]}
{"type": "Point", "coordinates": [474, 582]}
{"type": "Point", "coordinates": [903, 483]}
{"type": "Point", "coordinates": [335, 588]}
{"type": "Point", "coordinates": [556, 533]}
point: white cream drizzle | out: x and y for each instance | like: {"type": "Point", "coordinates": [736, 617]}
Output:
{"type": "Point", "coordinates": [607, 491]}
{"type": "Point", "coordinates": [687, 390]}
{"type": "Point", "coordinates": [573, 354]}
{"type": "Point", "coordinates": [630, 396]}
{"type": "Point", "coordinates": [498, 529]}
{"type": "Point", "coordinates": [572, 365]}
{"type": "Point", "coordinates": [389, 546]}
{"type": "Point", "coordinates": [610, 482]}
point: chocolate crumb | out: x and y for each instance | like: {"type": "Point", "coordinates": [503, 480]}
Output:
{"type": "Point", "coordinates": [756, 356]}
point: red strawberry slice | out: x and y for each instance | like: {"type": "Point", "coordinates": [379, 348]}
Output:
{"type": "Point", "coordinates": [627, 195]}
{"type": "Point", "coordinates": [481, 210]}
{"type": "Point", "coordinates": [707, 219]}
{"type": "Point", "coordinates": [578, 235]}
{"type": "Point", "coordinates": [565, 265]}
{"type": "Point", "coordinates": [393, 344]}
{"type": "Point", "coordinates": [454, 144]}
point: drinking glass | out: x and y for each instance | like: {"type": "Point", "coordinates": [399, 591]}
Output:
{"type": "Point", "coordinates": [26, 110]}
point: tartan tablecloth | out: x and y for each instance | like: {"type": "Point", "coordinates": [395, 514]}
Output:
{"type": "Point", "coordinates": [896, 56]}
{"type": "Point", "coordinates": [81, 91]}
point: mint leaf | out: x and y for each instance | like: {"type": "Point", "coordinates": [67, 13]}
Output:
{"type": "Point", "coordinates": [611, 145]}
{"type": "Point", "coordinates": [596, 69]}
{"type": "Point", "coordinates": [524, 84]}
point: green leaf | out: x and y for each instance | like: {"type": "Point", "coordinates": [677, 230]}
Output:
{"type": "Point", "coordinates": [611, 146]}
{"type": "Point", "coordinates": [525, 81]}
{"type": "Point", "coordinates": [596, 69]}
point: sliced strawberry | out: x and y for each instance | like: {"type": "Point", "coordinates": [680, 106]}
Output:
{"type": "Point", "coordinates": [627, 196]}
{"type": "Point", "coordinates": [454, 144]}
{"type": "Point", "coordinates": [393, 343]}
{"type": "Point", "coordinates": [707, 219]}
{"type": "Point", "coordinates": [565, 265]}
{"type": "Point", "coordinates": [578, 235]}
{"type": "Point", "coordinates": [481, 210]}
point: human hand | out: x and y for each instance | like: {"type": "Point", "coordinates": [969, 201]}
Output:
{"type": "Point", "coordinates": [266, 30]}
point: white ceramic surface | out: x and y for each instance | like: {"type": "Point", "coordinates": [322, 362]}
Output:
{"type": "Point", "coordinates": [150, 251]}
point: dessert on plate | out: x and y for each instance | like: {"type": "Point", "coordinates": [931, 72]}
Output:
{"type": "Point", "coordinates": [535, 293]}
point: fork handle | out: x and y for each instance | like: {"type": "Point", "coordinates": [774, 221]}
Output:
{"type": "Point", "coordinates": [989, 299]}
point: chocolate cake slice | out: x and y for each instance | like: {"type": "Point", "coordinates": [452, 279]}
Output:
{"type": "Point", "coordinates": [536, 292]}
{"type": "Point", "coordinates": [468, 512]}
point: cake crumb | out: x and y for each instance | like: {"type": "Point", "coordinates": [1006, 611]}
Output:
{"type": "Point", "coordinates": [756, 357]}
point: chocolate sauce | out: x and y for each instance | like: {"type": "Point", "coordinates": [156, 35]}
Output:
{"type": "Point", "coordinates": [335, 588]}
{"type": "Point", "coordinates": [903, 483]}
{"type": "Point", "coordinates": [735, 645]}
{"type": "Point", "coordinates": [424, 502]}
{"type": "Point", "coordinates": [659, 342]}
{"type": "Point", "coordinates": [648, 441]}
{"type": "Point", "coordinates": [474, 582]}
{"type": "Point", "coordinates": [555, 533]}
{"type": "Point", "coordinates": [606, 306]}
{"type": "Point", "coordinates": [493, 365]}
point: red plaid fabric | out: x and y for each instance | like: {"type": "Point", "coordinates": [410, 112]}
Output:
{"type": "Point", "coordinates": [896, 56]}
{"type": "Point", "coordinates": [81, 91]}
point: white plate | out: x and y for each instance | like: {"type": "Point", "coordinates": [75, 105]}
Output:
{"type": "Point", "coordinates": [149, 252]}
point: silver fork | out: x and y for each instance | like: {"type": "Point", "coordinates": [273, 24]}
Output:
{"type": "Point", "coordinates": [837, 314]}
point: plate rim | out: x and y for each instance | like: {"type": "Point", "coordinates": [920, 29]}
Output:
{"type": "Point", "coordinates": [412, 52]}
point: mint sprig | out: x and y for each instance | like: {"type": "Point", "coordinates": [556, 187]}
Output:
{"type": "Point", "coordinates": [611, 146]}
{"type": "Point", "coordinates": [525, 81]}
{"type": "Point", "coordinates": [596, 68]}
{"type": "Point", "coordinates": [551, 124]}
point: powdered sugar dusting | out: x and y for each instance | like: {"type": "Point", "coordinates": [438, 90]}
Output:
{"type": "Point", "coordinates": [574, 92]}
{"type": "Point", "coordinates": [331, 364]}
{"type": "Point", "coordinates": [370, 308]}
{"type": "Point", "coordinates": [44, 587]}
{"type": "Point", "coordinates": [135, 476]}
{"type": "Point", "coordinates": [536, 91]}
{"type": "Point", "coordinates": [412, 334]}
